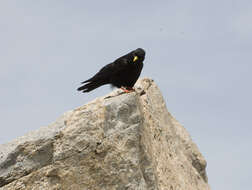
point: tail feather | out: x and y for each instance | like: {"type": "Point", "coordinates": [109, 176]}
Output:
{"type": "Point", "coordinates": [90, 86]}
{"type": "Point", "coordinates": [98, 77]}
{"type": "Point", "coordinates": [86, 81]}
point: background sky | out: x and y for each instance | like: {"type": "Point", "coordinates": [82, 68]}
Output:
{"type": "Point", "coordinates": [197, 51]}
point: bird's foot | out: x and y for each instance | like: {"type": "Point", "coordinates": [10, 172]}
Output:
{"type": "Point", "coordinates": [128, 89]}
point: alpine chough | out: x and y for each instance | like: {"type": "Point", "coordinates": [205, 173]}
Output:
{"type": "Point", "coordinates": [122, 73]}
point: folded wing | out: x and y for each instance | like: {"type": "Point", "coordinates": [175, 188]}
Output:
{"type": "Point", "coordinates": [104, 75]}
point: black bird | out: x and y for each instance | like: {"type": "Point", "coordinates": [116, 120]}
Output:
{"type": "Point", "coordinates": [122, 73]}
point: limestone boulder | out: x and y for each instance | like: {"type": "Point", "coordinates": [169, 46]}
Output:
{"type": "Point", "coordinates": [117, 142]}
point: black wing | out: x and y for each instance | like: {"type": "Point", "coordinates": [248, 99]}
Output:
{"type": "Point", "coordinates": [104, 75]}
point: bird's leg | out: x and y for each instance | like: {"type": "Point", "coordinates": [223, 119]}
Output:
{"type": "Point", "coordinates": [130, 89]}
{"type": "Point", "coordinates": [124, 89]}
{"type": "Point", "coordinates": [127, 89]}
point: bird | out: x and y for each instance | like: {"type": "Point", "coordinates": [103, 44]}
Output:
{"type": "Point", "coordinates": [122, 73]}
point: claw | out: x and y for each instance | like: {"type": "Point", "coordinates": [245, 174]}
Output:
{"type": "Point", "coordinates": [128, 89]}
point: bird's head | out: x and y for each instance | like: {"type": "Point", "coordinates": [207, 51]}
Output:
{"type": "Point", "coordinates": [138, 55]}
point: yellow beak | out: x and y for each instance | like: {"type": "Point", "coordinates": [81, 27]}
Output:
{"type": "Point", "coordinates": [135, 58]}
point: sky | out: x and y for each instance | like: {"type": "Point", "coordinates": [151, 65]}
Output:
{"type": "Point", "coordinates": [197, 51]}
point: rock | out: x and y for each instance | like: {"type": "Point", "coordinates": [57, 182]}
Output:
{"type": "Point", "coordinates": [118, 142]}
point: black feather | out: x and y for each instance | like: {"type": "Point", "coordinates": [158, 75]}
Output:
{"type": "Point", "coordinates": [123, 72]}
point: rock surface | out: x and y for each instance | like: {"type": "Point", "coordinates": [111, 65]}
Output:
{"type": "Point", "coordinates": [118, 142]}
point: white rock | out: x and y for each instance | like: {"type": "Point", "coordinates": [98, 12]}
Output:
{"type": "Point", "coordinates": [121, 141]}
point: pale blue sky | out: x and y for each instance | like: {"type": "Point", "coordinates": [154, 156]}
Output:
{"type": "Point", "coordinates": [198, 52]}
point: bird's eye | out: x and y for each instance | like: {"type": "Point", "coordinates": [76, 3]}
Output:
{"type": "Point", "coordinates": [135, 58]}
